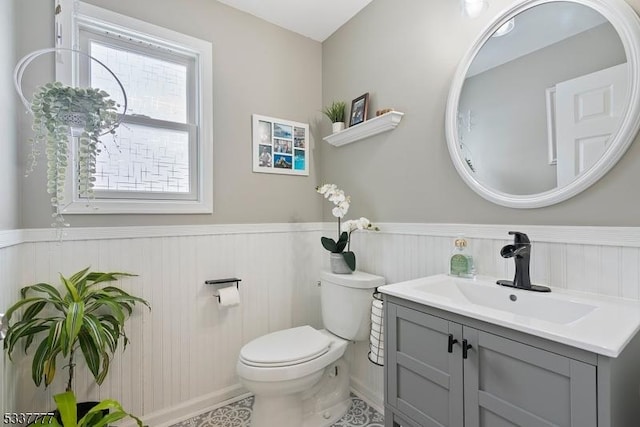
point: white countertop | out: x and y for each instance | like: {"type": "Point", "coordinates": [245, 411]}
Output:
{"type": "Point", "coordinates": [597, 323]}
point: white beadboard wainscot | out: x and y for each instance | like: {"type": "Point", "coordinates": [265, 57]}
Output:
{"type": "Point", "coordinates": [9, 274]}
{"type": "Point", "coordinates": [602, 260]}
{"type": "Point", "coordinates": [182, 354]}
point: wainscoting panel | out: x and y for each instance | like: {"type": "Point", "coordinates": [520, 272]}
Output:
{"type": "Point", "coordinates": [609, 266]}
{"type": "Point", "coordinates": [9, 273]}
{"type": "Point", "coordinates": [182, 354]}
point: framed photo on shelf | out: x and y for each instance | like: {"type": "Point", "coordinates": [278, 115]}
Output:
{"type": "Point", "coordinates": [359, 109]}
{"type": "Point", "coordinates": [280, 146]}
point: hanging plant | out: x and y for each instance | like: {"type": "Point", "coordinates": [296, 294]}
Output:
{"type": "Point", "coordinates": [59, 112]}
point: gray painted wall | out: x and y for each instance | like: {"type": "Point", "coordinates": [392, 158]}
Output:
{"type": "Point", "coordinates": [404, 53]}
{"type": "Point", "coordinates": [258, 68]}
{"type": "Point", "coordinates": [508, 138]}
{"type": "Point", "coordinates": [8, 141]}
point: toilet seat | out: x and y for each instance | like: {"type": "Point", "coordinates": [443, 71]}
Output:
{"type": "Point", "coordinates": [285, 348]}
{"type": "Point", "coordinates": [270, 373]}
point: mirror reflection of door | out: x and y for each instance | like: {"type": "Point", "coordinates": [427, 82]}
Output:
{"type": "Point", "coordinates": [588, 111]}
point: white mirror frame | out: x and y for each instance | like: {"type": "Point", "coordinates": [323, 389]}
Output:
{"type": "Point", "coordinates": [626, 22]}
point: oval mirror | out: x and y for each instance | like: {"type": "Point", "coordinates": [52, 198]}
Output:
{"type": "Point", "coordinates": [546, 101]}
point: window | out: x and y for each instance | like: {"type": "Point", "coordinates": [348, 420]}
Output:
{"type": "Point", "coordinates": [156, 162]}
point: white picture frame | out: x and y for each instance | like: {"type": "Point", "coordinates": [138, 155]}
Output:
{"type": "Point", "coordinates": [280, 146]}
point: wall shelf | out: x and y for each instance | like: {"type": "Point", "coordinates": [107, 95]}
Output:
{"type": "Point", "coordinates": [383, 123]}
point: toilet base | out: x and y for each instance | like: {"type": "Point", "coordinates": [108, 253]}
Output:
{"type": "Point", "coordinates": [321, 406]}
{"type": "Point", "coordinates": [282, 411]}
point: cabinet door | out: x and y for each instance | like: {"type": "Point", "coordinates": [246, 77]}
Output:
{"type": "Point", "coordinates": [510, 384]}
{"type": "Point", "coordinates": [424, 380]}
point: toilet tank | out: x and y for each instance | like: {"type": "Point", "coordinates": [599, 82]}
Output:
{"type": "Point", "coordinates": [346, 303]}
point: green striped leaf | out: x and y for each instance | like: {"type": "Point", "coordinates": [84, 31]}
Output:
{"type": "Point", "coordinates": [74, 322]}
{"type": "Point", "coordinates": [93, 327]}
{"type": "Point", "coordinates": [37, 365]}
{"type": "Point", "coordinates": [114, 308]}
{"type": "Point", "coordinates": [66, 403]}
{"type": "Point", "coordinates": [75, 278]}
{"type": "Point", "coordinates": [106, 362]}
{"type": "Point", "coordinates": [50, 368]}
{"type": "Point", "coordinates": [115, 408]}
{"type": "Point", "coordinates": [44, 288]}
{"type": "Point", "coordinates": [90, 352]}
{"type": "Point", "coordinates": [71, 289]}
{"type": "Point", "coordinates": [23, 329]}
{"type": "Point", "coordinates": [21, 303]}
{"type": "Point", "coordinates": [55, 334]}
{"type": "Point", "coordinates": [33, 310]}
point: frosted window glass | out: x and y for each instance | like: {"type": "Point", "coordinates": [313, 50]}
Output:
{"type": "Point", "coordinates": [155, 88]}
{"type": "Point", "coordinates": [145, 159]}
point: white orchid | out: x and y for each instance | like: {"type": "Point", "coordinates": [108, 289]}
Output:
{"type": "Point", "coordinates": [342, 203]}
{"type": "Point", "coordinates": [341, 209]}
{"type": "Point", "coordinates": [358, 224]}
{"type": "Point", "coordinates": [337, 197]}
{"type": "Point", "coordinates": [326, 188]}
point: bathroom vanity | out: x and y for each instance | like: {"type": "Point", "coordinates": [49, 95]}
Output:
{"type": "Point", "coordinates": [463, 352]}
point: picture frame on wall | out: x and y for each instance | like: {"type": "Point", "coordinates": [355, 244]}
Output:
{"type": "Point", "coordinates": [359, 110]}
{"type": "Point", "coordinates": [280, 146]}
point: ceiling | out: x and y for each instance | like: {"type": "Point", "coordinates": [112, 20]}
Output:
{"type": "Point", "coordinates": [316, 19]}
{"type": "Point", "coordinates": [536, 28]}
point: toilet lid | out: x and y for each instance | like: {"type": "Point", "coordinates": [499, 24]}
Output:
{"type": "Point", "coordinates": [286, 347]}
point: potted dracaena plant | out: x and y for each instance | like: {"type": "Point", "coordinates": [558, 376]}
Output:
{"type": "Point", "coordinates": [103, 413]}
{"type": "Point", "coordinates": [335, 113]}
{"type": "Point", "coordinates": [83, 318]}
{"type": "Point", "coordinates": [61, 111]}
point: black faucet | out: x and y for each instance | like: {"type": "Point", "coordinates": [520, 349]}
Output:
{"type": "Point", "coordinates": [520, 251]}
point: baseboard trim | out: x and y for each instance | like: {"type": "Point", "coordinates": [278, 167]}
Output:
{"type": "Point", "coordinates": [191, 408]}
{"type": "Point", "coordinates": [367, 394]}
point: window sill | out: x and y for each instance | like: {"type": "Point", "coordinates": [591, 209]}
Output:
{"type": "Point", "coordinates": [107, 207]}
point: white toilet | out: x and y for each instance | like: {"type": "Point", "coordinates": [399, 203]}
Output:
{"type": "Point", "coordinates": [298, 375]}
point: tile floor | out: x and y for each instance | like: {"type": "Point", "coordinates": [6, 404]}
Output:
{"type": "Point", "coordinates": [238, 414]}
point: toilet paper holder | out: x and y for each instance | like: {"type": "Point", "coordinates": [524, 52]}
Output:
{"type": "Point", "coordinates": [223, 282]}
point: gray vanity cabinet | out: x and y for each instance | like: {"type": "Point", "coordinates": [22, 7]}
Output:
{"type": "Point", "coordinates": [500, 383]}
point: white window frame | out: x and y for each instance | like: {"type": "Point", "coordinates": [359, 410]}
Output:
{"type": "Point", "coordinates": [76, 15]}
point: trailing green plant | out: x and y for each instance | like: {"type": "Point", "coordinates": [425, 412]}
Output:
{"type": "Point", "coordinates": [85, 317]}
{"type": "Point", "coordinates": [68, 412]}
{"type": "Point", "coordinates": [57, 109]}
{"type": "Point", "coordinates": [335, 112]}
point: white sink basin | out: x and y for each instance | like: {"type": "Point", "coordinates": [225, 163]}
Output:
{"type": "Point", "coordinates": [596, 323]}
{"type": "Point", "coordinates": [523, 303]}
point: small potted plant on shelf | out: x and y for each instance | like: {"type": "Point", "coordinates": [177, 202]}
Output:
{"type": "Point", "coordinates": [61, 111]}
{"type": "Point", "coordinates": [83, 318]}
{"type": "Point", "coordinates": [335, 112]}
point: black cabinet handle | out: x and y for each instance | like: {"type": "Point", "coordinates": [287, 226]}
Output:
{"type": "Point", "coordinates": [452, 341]}
{"type": "Point", "coordinates": [465, 348]}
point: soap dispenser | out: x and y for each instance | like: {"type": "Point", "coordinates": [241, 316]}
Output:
{"type": "Point", "coordinates": [461, 262]}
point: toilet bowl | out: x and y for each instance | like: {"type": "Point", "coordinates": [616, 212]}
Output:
{"type": "Point", "coordinates": [298, 375]}
{"type": "Point", "coordinates": [280, 366]}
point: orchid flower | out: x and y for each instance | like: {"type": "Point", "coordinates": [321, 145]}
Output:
{"type": "Point", "coordinates": [342, 203]}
